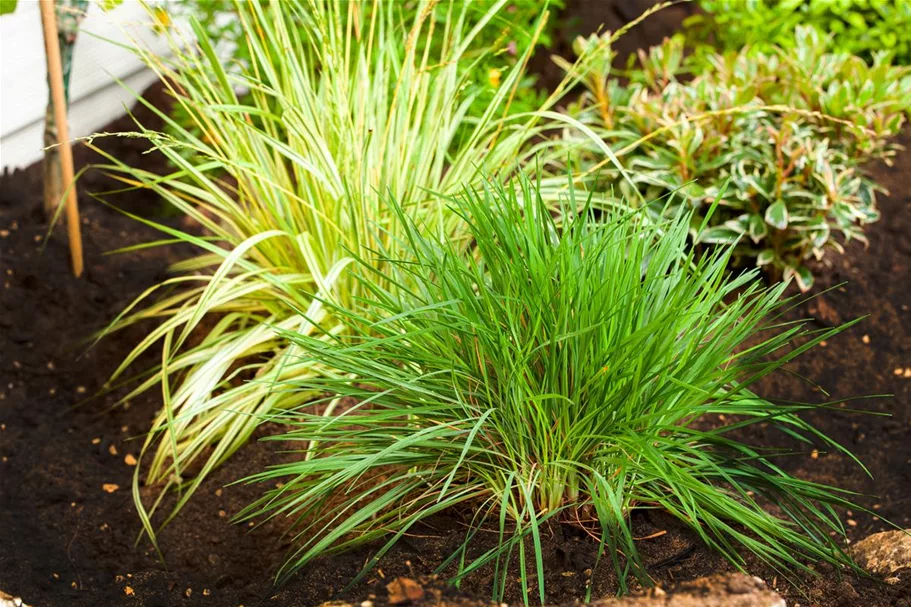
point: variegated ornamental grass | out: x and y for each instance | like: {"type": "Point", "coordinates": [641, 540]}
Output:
{"type": "Point", "coordinates": [497, 46]}
{"type": "Point", "coordinates": [347, 104]}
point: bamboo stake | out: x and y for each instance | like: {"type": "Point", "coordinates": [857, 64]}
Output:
{"type": "Point", "coordinates": [55, 81]}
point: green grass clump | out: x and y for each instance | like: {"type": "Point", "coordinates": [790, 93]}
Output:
{"type": "Point", "coordinates": [561, 367]}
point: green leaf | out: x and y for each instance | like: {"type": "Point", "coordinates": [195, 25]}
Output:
{"type": "Point", "coordinates": [821, 236]}
{"type": "Point", "coordinates": [765, 257]}
{"type": "Point", "coordinates": [719, 235]}
{"type": "Point", "coordinates": [804, 278]}
{"type": "Point", "coordinates": [757, 228]}
{"type": "Point", "coordinates": [7, 6]}
{"type": "Point", "coordinates": [777, 215]}
{"type": "Point", "coordinates": [856, 20]}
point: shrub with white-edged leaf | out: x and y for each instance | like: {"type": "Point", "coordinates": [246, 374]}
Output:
{"type": "Point", "coordinates": [789, 131]}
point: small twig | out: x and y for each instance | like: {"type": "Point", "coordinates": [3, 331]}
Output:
{"type": "Point", "coordinates": [69, 555]}
{"type": "Point", "coordinates": [652, 536]}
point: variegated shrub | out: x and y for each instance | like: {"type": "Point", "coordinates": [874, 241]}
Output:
{"type": "Point", "coordinates": [781, 136]}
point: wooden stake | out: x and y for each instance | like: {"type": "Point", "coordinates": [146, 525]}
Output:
{"type": "Point", "coordinates": [55, 81]}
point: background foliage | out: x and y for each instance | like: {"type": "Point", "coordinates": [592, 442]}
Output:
{"type": "Point", "coordinates": [860, 27]}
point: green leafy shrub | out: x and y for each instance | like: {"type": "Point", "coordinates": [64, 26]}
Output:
{"type": "Point", "coordinates": [859, 27]}
{"type": "Point", "coordinates": [345, 105]}
{"type": "Point", "coordinates": [788, 130]}
{"type": "Point", "coordinates": [564, 369]}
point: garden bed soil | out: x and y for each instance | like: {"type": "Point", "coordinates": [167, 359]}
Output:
{"type": "Point", "coordinates": [67, 523]}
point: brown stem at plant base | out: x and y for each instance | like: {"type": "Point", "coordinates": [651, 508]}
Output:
{"type": "Point", "coordinates": [53, 180]}
{"type": "Point", "coordinates": [55, 82]}
{"type": "Point", "coordinates": [602, 97]}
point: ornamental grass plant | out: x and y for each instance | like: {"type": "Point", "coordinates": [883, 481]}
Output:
{"type": "Point", "coordinates": [569, 366]}
{"type": "Point", "coordinates": [283, 164]}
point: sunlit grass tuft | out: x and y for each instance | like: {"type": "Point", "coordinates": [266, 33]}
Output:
{"type": "Point", "coordinates": [566, 368]}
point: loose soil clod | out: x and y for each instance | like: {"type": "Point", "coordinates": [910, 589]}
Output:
{"type": "Point", "coordinates": [885, 554]}
{"type": "Point", "coordinates": [8, 600]}
{"type": "Point", "coordinates": [404, 590]}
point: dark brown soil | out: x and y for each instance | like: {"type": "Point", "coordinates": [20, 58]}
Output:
{"type": "Point", "coordinates": [64, 540]}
